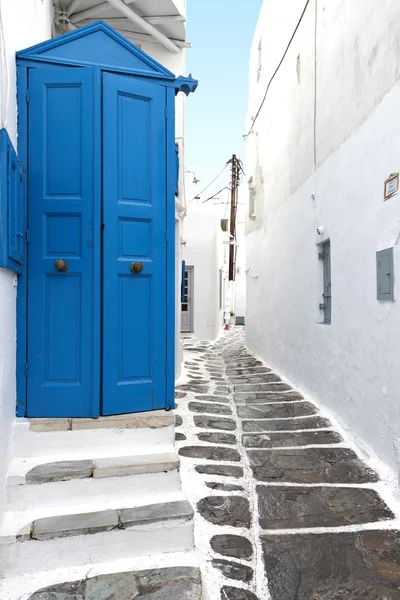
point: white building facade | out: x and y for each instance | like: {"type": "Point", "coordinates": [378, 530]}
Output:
{"type": "Point", "coordinates": [209, 297]}
{"type": "Point", "coordinates": [323, 138]}
{"type": "Point", "coordinates": [24, 23]}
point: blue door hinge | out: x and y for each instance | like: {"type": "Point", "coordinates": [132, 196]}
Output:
{"type": "Point", "coordinates": [26, 369]}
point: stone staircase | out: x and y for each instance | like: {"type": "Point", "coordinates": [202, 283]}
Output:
{"type": "Point", "coordinates": [96, 499]}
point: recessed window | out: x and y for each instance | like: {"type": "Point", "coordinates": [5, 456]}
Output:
{"type": "Point", "coordinates": [326, 305]}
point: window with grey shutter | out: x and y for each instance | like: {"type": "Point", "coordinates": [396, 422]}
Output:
{"type": "Point", "coordinates": [384, 274]}
{"type": "Point", "coordinates": [326, 305]}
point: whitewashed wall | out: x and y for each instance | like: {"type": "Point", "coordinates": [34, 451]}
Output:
{"type": "Point", "coordinates": [24, 23]}
{"type": "Point", "coordinates": [204, 252]}
{"type": "Point", "coordinates": [333, 177]}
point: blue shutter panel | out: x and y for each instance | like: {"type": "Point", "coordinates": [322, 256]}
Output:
{"type": "Point", "coordinates": [177, 169]}
{"type": "Point", "coordinates": [15, 209]}
{"type": "Point", "coordinates": [12, 206]}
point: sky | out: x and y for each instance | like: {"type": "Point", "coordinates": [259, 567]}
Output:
{"type": "Point", "coordinates": [221, 32]}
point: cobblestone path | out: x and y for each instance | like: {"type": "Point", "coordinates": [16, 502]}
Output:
{"type": "Point", "coordinates": [285, 509]}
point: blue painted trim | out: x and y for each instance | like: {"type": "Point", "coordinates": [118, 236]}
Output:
{"type": "Point", "coordinates": [21, 408]}
{"type": "Point", "coordinates": [34, 51]}
{"type": "Point", "coordinates": [187, 85]}
{"type": "Point", "coordinates": [170, 401]}
{"type": "Point", "coordinates": [97, 220]}
{"type": "Point", "coordinates": [51, 62]}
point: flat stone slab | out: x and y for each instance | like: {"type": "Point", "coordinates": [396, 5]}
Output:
{"type": "Point", "coordinates": [154, 513]}
{"type": "Point", "coordinates": [291, 508]}
{"type": "Point", "coordinates": [217, 437]}
{"type": "Point", "coordinates": [180, 437]}
{"type": "Point", "coordinates": [71, 525]}
{"type": "Point", "coordinates": [234, 570]}
{"type": "Point", "coordinates": [250, 398]}
{"type": "Point", "coordinates": [155, 584]}
{"type": "Point", "coordinates": [60, 471]}
{"type": "Point", "coordinates": [50, 424]}
{"type": "Point", "coordinates": [206, 407]}
{"type": "Point", "coordinates": [135, 465]}
{"type": "Point", "coordinates": [222, 470]}
{"type": "Point", "coordinates": [262, 387]}
{"type": "Point", "coordinates": [255, 378]}
{"type": "Point", "coordinates": [333, 566]}
{"type": "Point", "coordinates": [249, 371]}
{"type": "Point", "coordinates": [310, 465]}
{"type": "Point", "coordinates": [286, 424]}
{"type": "Point", "coordinates": [215, 423]}
{"type": "Point", "coordinates": [289, 438]}
{"type": "Point", "coordinates": [224, 487]}
{"type": "Point", "coordinates": [218, 399]}
{"type": "Point", "coordinates": [210, 453]}
{"type": "Point", "coordinates": [276, 411]}
{"type": "Point", "coordinates": [235, 546]}
{"type": "Point", "coordinates": [233, 511]}
{"type": "Point", "coordinates": [181, 590]}
{"type": "Point", "coordinates": [119, 585]}
{"type": "Point", "coordinates": [224, 389]}
{"type": "Point", "coordinates": [193, 387]}
{"type": "Point", "coordinates": [149, 420]}
{"type": "Point", "coordinates": [180, 395]}
{"type": "Point", "coordinates": [233, 593]}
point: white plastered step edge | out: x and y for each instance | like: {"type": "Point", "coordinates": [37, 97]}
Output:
{"type": "Point", "coordinates": [21, 587]}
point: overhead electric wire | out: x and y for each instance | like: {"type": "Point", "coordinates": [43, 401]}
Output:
{"type": "Point", "coordinates": [277, 68]}
{"type": "Point", "coordinates": [210, 184]}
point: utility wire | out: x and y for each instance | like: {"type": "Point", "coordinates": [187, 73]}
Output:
{"type": "Point", "coordinates": [277, 68]}
{"type": "Point", "coordinates": [210, 184]}
{"type": "Point", "coordinates": [216, 193]}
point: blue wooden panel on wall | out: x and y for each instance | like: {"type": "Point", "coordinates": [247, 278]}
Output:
{"type": "Point", "coordinates": [135, 199]}
{"type": "Point", "coordinates": [12, 206]}
{"type": "Point", "coordinates": [177, 169]}
{"type": "Point", "coordinates": [97, 44]}
{"type": "Point", "coordinates": [61, 213]}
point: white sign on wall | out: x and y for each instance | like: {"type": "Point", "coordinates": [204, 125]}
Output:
{"type": "Point", "coordinates": [391, 185]}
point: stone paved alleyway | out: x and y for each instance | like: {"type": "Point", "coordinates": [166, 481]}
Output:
{"type": "Point", "coordinates": [286, 510]}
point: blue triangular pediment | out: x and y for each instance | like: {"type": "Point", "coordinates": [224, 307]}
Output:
{"type": "Point", "coordinates": [97, 44]}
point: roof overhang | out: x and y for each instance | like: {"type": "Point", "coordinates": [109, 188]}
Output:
{"type": "Point", "coordinates": [154, 21]}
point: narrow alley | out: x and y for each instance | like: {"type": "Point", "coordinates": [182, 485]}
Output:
{"type": "Point", "coordinates": [286, 508]}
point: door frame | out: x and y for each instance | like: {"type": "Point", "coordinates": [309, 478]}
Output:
{"type": "Point", "coordinates": [172, 86]}
{"type": "Point", "coordinates": [190, 269]}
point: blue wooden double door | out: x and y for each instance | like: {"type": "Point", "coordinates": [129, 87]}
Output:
{"type": "Point", "coordinates": [97, 260]}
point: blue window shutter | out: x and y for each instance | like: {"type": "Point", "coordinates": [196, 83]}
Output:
{"type": "Point", "coordinates": [12, 206]}
{"type": "Point", "coordinates": [177, 169]}
{"type": "Point", "coordinates": [183, 281]}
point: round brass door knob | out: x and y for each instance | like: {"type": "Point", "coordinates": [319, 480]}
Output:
{"type": "Point", "coordinates": [136, 267]}
{"type": "Point", "coordinates": [61, 265]}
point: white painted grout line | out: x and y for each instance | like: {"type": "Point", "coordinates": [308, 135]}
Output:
{"type": "Point", "coordinates": [260, 581]}
{"type": "Point", "coordinates": [387, 525]}
{"type": "Point", "coordinates": [304, 447]}
{"type": "Point", "coordinates": [311, 430]}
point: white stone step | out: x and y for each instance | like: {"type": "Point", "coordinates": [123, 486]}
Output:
{"type": "Point", "coordinates": [21, 587]}
{"type": "Point", "coordinates": [31, 557]}
{"type": "Point", "coordinates": [74, 438]}
{"type": "Point", "coordinates": [91, 463]}
{"type": "Point", "coordinates": [47, 498]}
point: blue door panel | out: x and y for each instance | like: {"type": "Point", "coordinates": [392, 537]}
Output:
{"type": "Point", "coordinates": [134, 209]}
{"type": "Point", "coordinates": [60, 221]}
